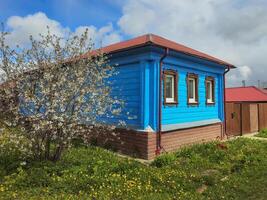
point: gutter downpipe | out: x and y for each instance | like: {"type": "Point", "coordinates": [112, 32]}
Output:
{"type": "Point", "coordinates": [224, 102]}
{"type": "Point", "coordinates": [159, 147]}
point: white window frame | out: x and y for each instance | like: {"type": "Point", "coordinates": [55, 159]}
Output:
{"type": "Point", "coordinates": [210, 85]}
{"type": "Point", "coordinates": [172, 99]}
{"type": "Point", "coordinates": [192, 100]}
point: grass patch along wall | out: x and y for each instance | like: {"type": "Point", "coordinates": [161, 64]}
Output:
{"type": "Point", "coordinates": [231, 170]}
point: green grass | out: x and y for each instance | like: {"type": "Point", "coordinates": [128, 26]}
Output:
{"type": "Point", "coordinates": [262, 133]}
{"type": "Point", "coordinates": [232, 170]}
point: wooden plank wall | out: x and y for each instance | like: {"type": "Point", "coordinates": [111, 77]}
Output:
{"type": "Point", "coordinates": [245, 118]}
{"type": "Point", "coordinates": [262, 115]}
{"type": "Point", "coordinates": [233, 119]}
{"type": "Point", "coordinates": [229, 108]}
{"type": "Point", "coordinates": [237, 125]}
{"type": "Point", "coordinates": [252, 117]}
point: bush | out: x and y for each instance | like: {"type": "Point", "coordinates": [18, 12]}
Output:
{"type": "Point", "coordinates": [164, 160]}
{"type": "Point", "coordinates": [262, 133]}
{"type": "Point", "coordinates": [35, 177]}
{"type": "Point", "coordinates": [15, 148]}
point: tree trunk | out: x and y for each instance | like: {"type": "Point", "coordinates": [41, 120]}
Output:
{"type": "Point", "coordinates": [59, 148]}
{"type": "Point", "coordinates": [58, 153]}
{"type": "Point", "coordinates": [47, 147]}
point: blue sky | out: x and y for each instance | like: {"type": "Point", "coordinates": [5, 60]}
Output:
{"type": "Point", "coordinates": [71, 13]}
{"type": "Point", "coordinates": [232, 30]}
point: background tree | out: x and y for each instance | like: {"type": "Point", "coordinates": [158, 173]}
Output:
{"type": "Point", "coordinates": [56, 89]}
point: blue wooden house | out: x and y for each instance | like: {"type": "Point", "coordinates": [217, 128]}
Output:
{"type": "Point", "coordinates": [174, 95]}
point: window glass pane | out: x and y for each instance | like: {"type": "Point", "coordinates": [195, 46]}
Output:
{"type": "Point", "coordinates": [169, 86]}
{"type": "Point", "coordinates": [209, 96]}
{"type": "Point", "coordinates": [191, 88]}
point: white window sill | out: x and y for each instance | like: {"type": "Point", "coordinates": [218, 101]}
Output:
{"type": "Point", "coordinates": [210, 102]}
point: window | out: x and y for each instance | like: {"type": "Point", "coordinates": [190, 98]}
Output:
{"type": "Point", "coordinates": [192, 89]}
{"type": "Point", "coordinates": [210, 94]}
{"type": "Point", "coordinates": [170, 87]}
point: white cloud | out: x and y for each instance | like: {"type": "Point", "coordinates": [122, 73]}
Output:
{"type": "Point", "coordinates": [236, 76]}
{"type": "Point", "coordinates": [137, 18]}
{"type": "Point", "coordinates": [245, 71]}
{"type": "Point", "coordinates": [104, 36]}
{"type": "Point", "coordinates": [111, 39]}
{"type": "Point", "coordinates": [22, 27]}
{"type": "Point", "coordinates": [235, 31]}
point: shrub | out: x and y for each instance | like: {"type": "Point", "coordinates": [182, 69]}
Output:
{"type": "Point", "coordinates": [35, 177]}
{"type": "Point", "coordinates": [262, 133]}
{"type": "Point", "coordinates": [14, 148]}
{"type": "Point", "coordinates": [164, 160]}
{"type": "Point", "coordinates": [209, 180]}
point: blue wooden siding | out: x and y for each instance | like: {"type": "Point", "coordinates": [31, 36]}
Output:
{"type": "Point", "coordinates": [126, 86]}
{"type": "Point", "coordinates": [150, 94]}
{"type": "Point", "coordinates": [183, 112]}
{"type": "Point", "coordinates": [138, 85]}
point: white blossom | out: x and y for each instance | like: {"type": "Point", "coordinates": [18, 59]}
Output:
{"type": "Point", "coordinates": [54, 88]}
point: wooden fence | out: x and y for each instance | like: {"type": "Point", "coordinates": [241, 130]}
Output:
{"type": "Point", "coordinates": [242, 118]}
{"type": "Point", "coordinates": [262, 115]}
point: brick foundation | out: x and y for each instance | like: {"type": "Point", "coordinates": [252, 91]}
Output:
{"type": "Point", "coordinates": [171, 141]}
{"type": "Point", "coordinates": [143, 144]}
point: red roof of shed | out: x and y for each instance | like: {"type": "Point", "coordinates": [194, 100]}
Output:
{"type": "Point", "coordinates": [264, 90]}
{"type": "Point", "coordinates": [245, 94]}
{"type": "Point", "coordinates": [160, 41]}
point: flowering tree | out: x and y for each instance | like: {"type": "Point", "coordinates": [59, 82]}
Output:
{"type": "Point", "coordinates": [56, 89]}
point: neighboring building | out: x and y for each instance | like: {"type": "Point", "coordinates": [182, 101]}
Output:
{"type": "Point", "coordinates": [246, 110]}
{"type": "Point", "coordinates": [186, 106]}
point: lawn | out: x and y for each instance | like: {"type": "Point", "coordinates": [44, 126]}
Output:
{"type": "Point", "coordinates": [232, 170]}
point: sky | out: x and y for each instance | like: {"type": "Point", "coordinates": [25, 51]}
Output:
{"type": "Point", "coordinates": [232, 30]}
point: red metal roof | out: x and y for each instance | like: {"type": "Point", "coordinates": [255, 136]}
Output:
{"type": "Point", "coordinates": [245, 94]}
{"type": "Point", "coordinates": [264, 90]}
{"type": "Point", "coordinates": [160, 41]}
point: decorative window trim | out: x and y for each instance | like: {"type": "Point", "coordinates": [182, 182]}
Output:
{"type": "Point", "coordinates": [210, 79]}
{"type": "Point", "coordinates": [192, 76]}
{"type": "Point", "coordinates": [175, 75]}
